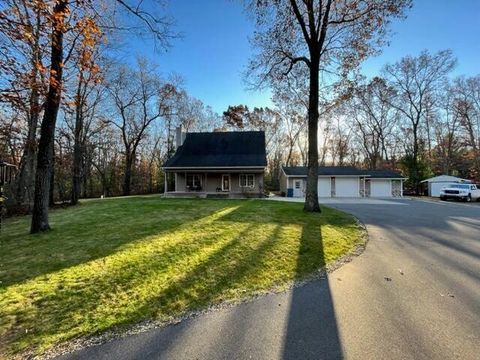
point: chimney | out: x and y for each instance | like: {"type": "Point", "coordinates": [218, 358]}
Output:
{"type": "Point", "coordinates": [179, 137]}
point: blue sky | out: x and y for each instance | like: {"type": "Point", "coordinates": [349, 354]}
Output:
{"type": "Point", "coordinates": [214, 48]}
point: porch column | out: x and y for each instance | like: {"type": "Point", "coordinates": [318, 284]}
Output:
{"type": "Point", "coordinates": [205, 188]}
{"type": "Point", "coordinates": [166, 182]}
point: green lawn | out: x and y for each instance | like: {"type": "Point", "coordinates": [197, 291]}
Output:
{"type": "Point", "coordinates": [114, 262]}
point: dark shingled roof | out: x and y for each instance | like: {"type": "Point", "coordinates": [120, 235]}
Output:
{"type": "Point", "coordinates": [383, 174]}
{"type": "Point", "coordinates": [341, 171]}
{"type": "Point", "coordinates": [323, 170]}
{"type": "Point", "coordinates": [220, 149]}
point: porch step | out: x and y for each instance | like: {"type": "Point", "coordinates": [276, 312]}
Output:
{"type": "Point", "coordinates": [217, 196]}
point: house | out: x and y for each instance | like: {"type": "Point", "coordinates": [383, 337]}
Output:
{"type": "Point", "coordinates": [432, 186]}
{"type": "Point", "coordinates": [218, 164]}
{"type": "Point", "coordinates": [343, 181]}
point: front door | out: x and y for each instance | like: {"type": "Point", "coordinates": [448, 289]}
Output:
{"type": "Point", "coordinates": [297, 188]}
{"type": "Point", "coordinates": [225, 182]}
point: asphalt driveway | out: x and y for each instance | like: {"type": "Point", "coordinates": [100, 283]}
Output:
{"type": "Point", "coordinates": [413, 294]}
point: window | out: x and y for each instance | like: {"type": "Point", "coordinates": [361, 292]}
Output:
{"type": "Point", "coordinates": [193, 181]}
{"type": "Point", "coordinates": [247, 180]}
{"type": "Point", "coordinates": [297, 184]}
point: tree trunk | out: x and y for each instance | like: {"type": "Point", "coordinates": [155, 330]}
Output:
{"type": "Point", "coordinates": [415, 175]}
{"type": "Point", "coordinates": [47, 131]}
{"type": "Point", "coordinates": [25, 184]}
{"type": "Point", "coordinates": [311, 194]}
{"type": "Point", "coordinates": [473, 143]}
{"type": "Point", "coordinates": [129, 157]}
{"type": "Point", "coordinates": [104, 184]}
{"type": "Point", "coordinates": [77, 147]}
{"type": "Point", "coordinates": [86, 187]}
{"type": "Point", "coordinates": [51, 196]}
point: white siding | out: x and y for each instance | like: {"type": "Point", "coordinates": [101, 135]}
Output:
{"type": "Point", "coordinates": [324, 187]}
{"type": "Point", "coordinates": [380, 188]}
{"type": "Point", "coordinates": [344, 187]}
{"type": "Point", "coordinates": [347, 187]}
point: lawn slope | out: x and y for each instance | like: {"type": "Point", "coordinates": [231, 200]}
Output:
{"type": "Point", "coordinates": [114, 262]}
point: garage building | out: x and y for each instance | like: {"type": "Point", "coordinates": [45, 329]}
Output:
{"type": "Point", "coordinates": [343, 181]}
{"type": "Point", "coordinates": [432, 186]}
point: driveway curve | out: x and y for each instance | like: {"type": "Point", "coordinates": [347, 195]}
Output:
{"type": "Point", "coordinates": [413, 294]}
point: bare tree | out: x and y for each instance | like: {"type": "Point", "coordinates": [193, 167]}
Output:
{"type": "Point", "coordinates": [22, 53]}
{"type": "Point", "coordinates": [447, 147]}
{"type": "Point", "coordinates": [140, 98]}
{"type": "Point", "coordinates": [374, 119]}
{"type": "Point", "coordinates": [339, 141]}
{"type": "Point", "coordinates": [44, 169]}
{"type": "Point", "coordinates": [467, 108]}
{"type": "Point", "coordinates": [105, 149]}
{"type": "Point", "coordinates": [59, 20]}
{"type": "Point", "coordinates": [289, 99]}
{"type": "Point", "coordinates": [88, 95]}
{"type": "Point", "coordinates": [415, 80]}
{"type": "Point", "coordinates": [294, 129]}
{"type": "Point", "coordinates": [11, 140]}
{"type": "Point", "coordinates": [331, 36]}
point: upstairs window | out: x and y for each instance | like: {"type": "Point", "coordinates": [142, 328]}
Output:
{"type": "Point", "coordinates": [247, 180]}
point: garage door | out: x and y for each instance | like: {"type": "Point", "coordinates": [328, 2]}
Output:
{"type": "Point", "coordinates": [324, 188]}
{"type": "Point", "coordinates": [380, 188]}
{"type": "Point", "coordinates": [347, 187]}
{"type": "Point", "coordinates": [436, 187]}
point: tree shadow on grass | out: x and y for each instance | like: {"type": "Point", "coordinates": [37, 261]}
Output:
{"type": "Point", "coordinates": [311, 331]}
{"type": "Point", "coordinates": [226, 268]}
{"type": "Point", "coordinates": [92, 232]}
{"type": "Point", "coordinates": [80, 310]}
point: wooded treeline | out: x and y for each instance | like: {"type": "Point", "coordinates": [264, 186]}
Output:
{"type": "Point", "coordinates": [116, 122]}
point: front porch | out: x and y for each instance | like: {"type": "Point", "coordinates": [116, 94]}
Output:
{"type": "Point", "coordinates": [210, 195]}
{"type": "Point", "coordinates": [238, 183]}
